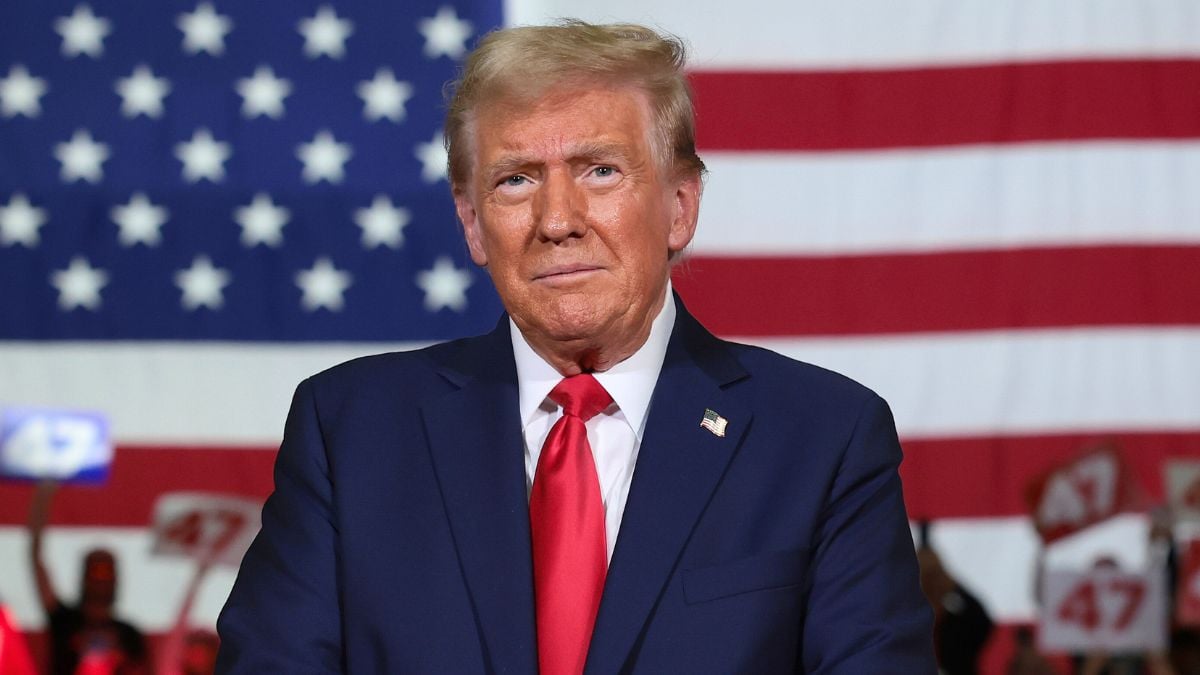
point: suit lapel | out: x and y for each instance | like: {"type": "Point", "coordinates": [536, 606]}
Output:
{"type": "Point", "coordinates": [477, 450]}
{"type": "Point", "coordinates": [679, 465]}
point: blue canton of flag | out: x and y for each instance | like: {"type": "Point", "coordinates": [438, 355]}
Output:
{"type": "Point", "coordinates": [232, 171]}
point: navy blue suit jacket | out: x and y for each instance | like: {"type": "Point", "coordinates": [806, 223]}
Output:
{"type": "Point", "coordinates": [397, 537]}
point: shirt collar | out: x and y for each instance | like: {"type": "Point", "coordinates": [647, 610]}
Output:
{"type": "Point", "coordinates": [630, 382]}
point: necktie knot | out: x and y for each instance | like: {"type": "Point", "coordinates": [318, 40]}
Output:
{"type": "Point", "coordinates": [581, 396]}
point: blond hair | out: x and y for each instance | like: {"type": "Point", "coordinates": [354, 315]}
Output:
{"type": "Point", "coordinates": [526, 62]}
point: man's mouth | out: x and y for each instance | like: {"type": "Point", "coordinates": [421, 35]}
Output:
{"type": "Point", "coordinates": [566, 272]}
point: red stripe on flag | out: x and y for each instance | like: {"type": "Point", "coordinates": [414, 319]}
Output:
{"type": "Point", "coordinates": [961, 290]}
{"type": "Point", "coordinates": [1001, 103]}
{"type": "Point", "coordinates": [986, 477]}
{"type": "Point", "coordinates": [139, 475]}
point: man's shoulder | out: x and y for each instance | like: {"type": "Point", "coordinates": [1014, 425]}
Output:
{"type": "Point", "coordinates": [771, 376]}
{"type": "Point", "coordinates": [416, 370]}
{"type": "Point", "coordinates": [788, 379]}
{"type": "Point", "coordinates": [382, 364]}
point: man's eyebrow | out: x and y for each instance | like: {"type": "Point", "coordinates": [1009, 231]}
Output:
{"type": "Point", "coordinates": [585, 151]}
{"type": "Point", "coordinates": [593, 150]}
{"type": "Point", "coordinates": [507, 165]}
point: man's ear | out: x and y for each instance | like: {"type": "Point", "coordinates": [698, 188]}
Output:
{"type": "Point", "coordinates": [471, 227]}
{"type": "Point", "coordinates": [687, 211]}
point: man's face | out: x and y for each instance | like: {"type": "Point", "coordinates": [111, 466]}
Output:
{"type": "Point", "coordinates": [574, 217]}
{"type": "Point", "coordinates": [99, 585]}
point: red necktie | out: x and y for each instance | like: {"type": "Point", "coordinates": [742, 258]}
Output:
{"type": "Point", "coordinates": [567, 525]}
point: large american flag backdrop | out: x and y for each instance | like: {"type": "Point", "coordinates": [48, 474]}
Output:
{"type": "Point", "coordinates": [988, 212]}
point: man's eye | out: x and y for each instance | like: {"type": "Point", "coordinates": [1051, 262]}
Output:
{"type": "Point", "coordinates": [604, 171]}
{"type": "Point", "coordinates": [514, 180]}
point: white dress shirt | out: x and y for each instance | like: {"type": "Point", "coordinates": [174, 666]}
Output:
{"type": "Point", "coordinates": [616, 433]}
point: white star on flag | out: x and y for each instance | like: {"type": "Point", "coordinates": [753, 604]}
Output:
{"type": "Point", "coordinates": [79, 285]}
{"type": "Point", "coordinates": [263, 93]}
{"type": "Point", "coordinates": [204, 30]}
{"type": "Point", "coordinates": [139, 221]}
{"type": "Point", "coordinates": [324, 158]}
{"type": "Point", "coordinates": [323, 286]}
{"type": "Point", "coordinates": [202, 284]}
{"type": "Point", "coordinates": [325, 34]}
{"type": "Point", "coordinates": [81, 157]}
{"type": "Point", "coordinates": [82, 32]}
{"type": "Point", "coordinates": [383, 223]}
{"type": "Point", "coordinates": [20, 93]}
{"type": "Point", "coordinates": [203, 157]}
{"type": "Point", "coordinates": [445, 34]}
{"type": "Point", "coordinates": [433, 159]}
{"type": "Point", "coordinates": [142, 93]}
{"type": "Point", "coordinates": [261, 221]}
{"type": "Point", "coordinates": [20, 222]}
{"type": "Point", "coordinates": [383, 96]}
{"type": "Point", "coordinates": [445, 286]}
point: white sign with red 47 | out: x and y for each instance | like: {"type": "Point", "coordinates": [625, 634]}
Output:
{"type": "Point", "coordinates": [207, 527]}
{"type": "Point", "coordinates": [1103, 609]}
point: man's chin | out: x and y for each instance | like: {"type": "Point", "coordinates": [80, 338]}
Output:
{"type": "Point", "coordinates": [571, 332]}
{"type": "Point", "coordinates": [568, 330]}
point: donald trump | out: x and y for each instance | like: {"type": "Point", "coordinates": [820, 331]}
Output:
{"type": "Point", "coordinates": [598, 485]}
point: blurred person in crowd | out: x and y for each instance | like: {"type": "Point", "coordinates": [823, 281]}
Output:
{"type": "Point", "coordinates": [961, 624]}
{"type": "Point", "coordinates": [86, 637]}
{"type": "Point", "coordinates": [1026, 659]}
{"type": "Point", "coordinates": [1101, 663]}
{"type": "Point", "coordinates": [1185, 651]}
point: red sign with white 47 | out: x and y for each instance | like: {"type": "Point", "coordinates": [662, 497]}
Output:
{"type": "Point", "coordinates": [1083, 492]}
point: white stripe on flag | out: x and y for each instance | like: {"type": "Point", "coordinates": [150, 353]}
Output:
{"type": "Point", "coordinates": [190, 393]}
{"type": "Point", "coordinates": [765, 34]}
{"type": "Point", "coordinates": [950, 198]}
{"type": "Point", "coordinates": [1031, 381]}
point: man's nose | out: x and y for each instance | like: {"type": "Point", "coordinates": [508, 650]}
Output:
{"type": "Point", "coordinates": [560, 208]}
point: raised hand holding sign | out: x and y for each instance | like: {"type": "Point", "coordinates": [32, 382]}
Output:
{"type": "Point", "coordinates": [211, 529]}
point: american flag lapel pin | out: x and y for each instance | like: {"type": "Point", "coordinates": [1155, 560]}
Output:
{"type": "Point", "coordinates": [714, 422]}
